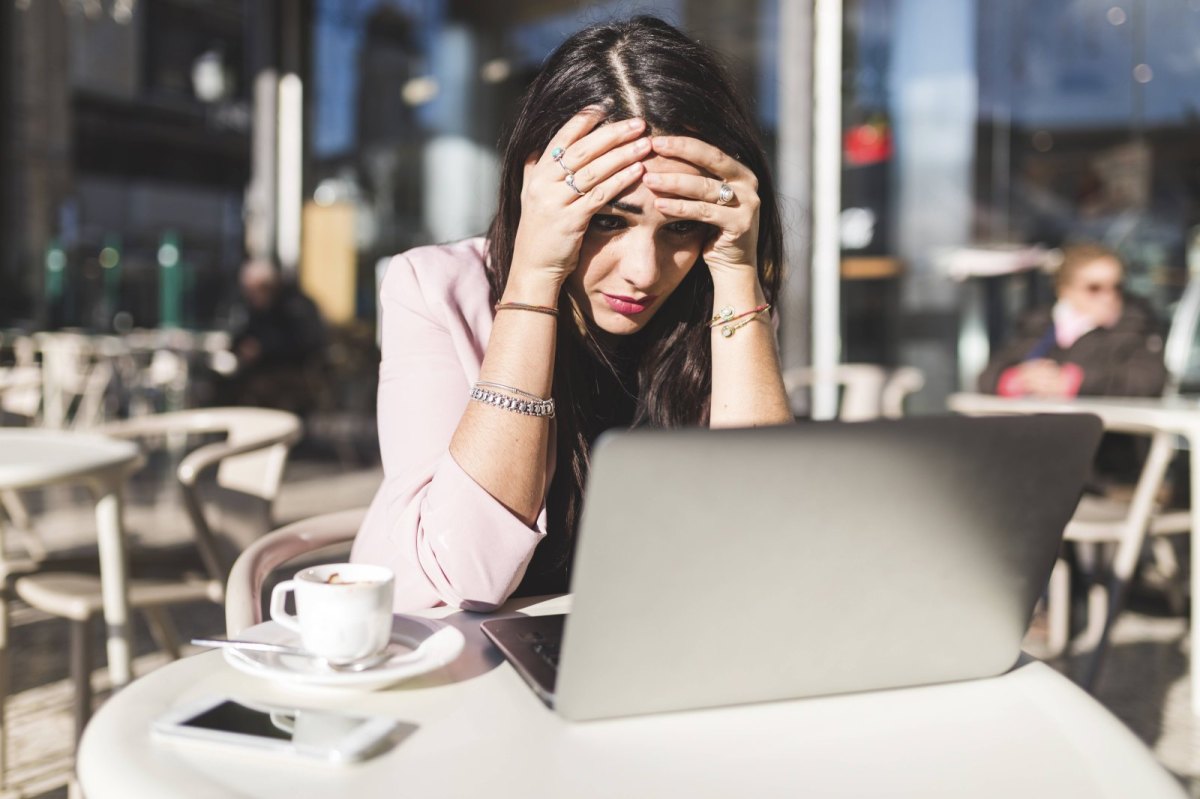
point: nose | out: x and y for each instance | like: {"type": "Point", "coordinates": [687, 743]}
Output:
{"type": "Point", "coordinates": [639, 262]}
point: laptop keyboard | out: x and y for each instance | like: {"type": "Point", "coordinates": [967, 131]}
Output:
{"type": "Point", "coordinates": [544, 647]}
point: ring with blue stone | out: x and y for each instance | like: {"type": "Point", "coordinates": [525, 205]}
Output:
{"type": "Point", "coordinates": [557, 154]}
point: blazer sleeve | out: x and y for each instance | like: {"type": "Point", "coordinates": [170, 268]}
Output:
{"type": "Point", "coordinates": [1030, 329]}
{"type": "Point", "coordinates": [446, 538]}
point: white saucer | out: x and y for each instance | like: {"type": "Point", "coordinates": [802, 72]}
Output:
{"type": "Point", "coordinates": [419, 645]}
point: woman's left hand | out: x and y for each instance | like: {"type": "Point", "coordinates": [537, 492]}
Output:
{"type": "Point", "coordinates": [699, 197]}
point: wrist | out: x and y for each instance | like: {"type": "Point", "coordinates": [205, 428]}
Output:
{"type": "Point", "coordinates": [739, 289]}
{"type": "Point", "coordinates": [532, 289]}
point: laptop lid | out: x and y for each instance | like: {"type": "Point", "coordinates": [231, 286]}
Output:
{"type": "Point", "coordinates": [721, 567]}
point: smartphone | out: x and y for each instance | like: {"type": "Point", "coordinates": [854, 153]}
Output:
{"type": "Point", "coordinates": [309, 734]}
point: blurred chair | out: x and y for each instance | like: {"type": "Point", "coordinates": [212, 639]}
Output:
{"type": "Point", "coordinates": [243, 597]}
{"type": "Point", "coordinates": [21, 383]}
{"type": "Point", "coordinates": [226, 516]}
{"type": "Point", "coordinates": [1125, 525]}
{"type": "Point", "coordinates": [75, 380]}
{"type": "Point", "coordinates": [867, 391]}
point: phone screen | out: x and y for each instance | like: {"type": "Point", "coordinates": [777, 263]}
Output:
{"type": "Point", "coordinates": [233, 717]}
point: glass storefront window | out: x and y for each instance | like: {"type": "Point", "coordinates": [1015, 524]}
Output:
{"type": "Point", "coordinates": [409, 101]}
{"type": "Point", "coordinates": [1036, 123]}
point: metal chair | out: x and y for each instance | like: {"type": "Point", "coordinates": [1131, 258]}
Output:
{"type": "Point", "coordinates": [248, 468]}
{"type": "Point", "coordinates": [1126, 525]}
{"type": "Point", "coordinates": [868, 391]}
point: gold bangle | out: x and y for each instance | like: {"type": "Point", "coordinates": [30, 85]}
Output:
{"type": "Point", "coordinates": [726, 314]}
{"type": "Point", "coordinates": [520, 306]}
{"type": "Point", "coordinates": [746, 318]}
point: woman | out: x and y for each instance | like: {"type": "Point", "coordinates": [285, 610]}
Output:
{"type": "Point", "coordinates": [625, 281]}
{"type": "Point", "coordinates": [1093, 341]}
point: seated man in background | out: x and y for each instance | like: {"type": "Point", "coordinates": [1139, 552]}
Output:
{"type": "Point", "coordinates": [1094, 341]}
{"type": "Point", "coordinates": [279, 338]}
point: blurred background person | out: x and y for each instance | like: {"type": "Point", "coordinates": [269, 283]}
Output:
{"type": "Point", "coordinates": [279, 340]}
{"type": "Point", "coordinates": [1094, 340]}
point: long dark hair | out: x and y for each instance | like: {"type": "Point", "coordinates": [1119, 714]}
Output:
{"type": "Point", "coordinates": [662, 377]}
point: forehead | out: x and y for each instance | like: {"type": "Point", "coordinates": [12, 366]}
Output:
{"type": "Point", "coordinates": [1098, 268]}
{"type": "Point", "coordinates": [662, 163]}
{"type": "Point", "coordinates": [638, 194]}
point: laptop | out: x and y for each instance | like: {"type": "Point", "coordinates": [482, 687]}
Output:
{"type": "Point", "coordinates": [723, 567]}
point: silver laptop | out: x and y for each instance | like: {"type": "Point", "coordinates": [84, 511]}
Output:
{"type": "Point", "coordinates": [732, 566]}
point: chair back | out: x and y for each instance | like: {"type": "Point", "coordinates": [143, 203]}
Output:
{"type": "Point", "coordinates": [244, 591]}
{"type": "Point", "coordinates": [235, 509]}
{"type": "Point", "coordinates": [868, 391]}
{"type": "Point", "coordinates": [1181, 338]}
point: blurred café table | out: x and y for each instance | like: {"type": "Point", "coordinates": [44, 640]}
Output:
{"type": "Point", "coordinates": [39, 458]}
{"type": "Point", "coordinates": [1174, 415]}
{"type": "Point", "coordinates": [480, 731]}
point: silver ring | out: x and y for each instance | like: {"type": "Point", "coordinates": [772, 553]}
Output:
{"type": "Point", "coordinates": [570, 181]}
{"type": "Point", "coordinates": [557, 154]}
{"type": "Point", "coordinates": [725, 194]}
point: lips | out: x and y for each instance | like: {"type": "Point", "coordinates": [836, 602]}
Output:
{"type": "Point", "coordinates": [629, 306]}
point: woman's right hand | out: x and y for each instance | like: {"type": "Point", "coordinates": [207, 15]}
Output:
{"type": "Point", "coordinates": [554, 217]}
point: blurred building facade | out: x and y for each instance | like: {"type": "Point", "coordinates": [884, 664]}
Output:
{"type": "Point", "coordinates": [145, 129]}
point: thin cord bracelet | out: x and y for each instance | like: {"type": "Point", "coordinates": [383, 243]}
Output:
{"type": "Point", "coordinates": [510, 389]}
{"type": "Point", "coordinates": [520, 306]}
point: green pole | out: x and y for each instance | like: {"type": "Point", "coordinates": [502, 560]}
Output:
{"type": "Point", "coordinates": [56, 267]}
{"type": "Point", "coordinates": [170, 283]}
{"type": "Point", "coordinates": [110, 262]}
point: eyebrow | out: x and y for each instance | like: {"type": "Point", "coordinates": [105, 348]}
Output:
{"type": "Point", "coordinates": [628, 208]}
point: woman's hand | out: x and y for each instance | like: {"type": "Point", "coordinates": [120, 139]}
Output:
{"type": "Point", "coordinates": [735, 215]}
{"type": "Point", "coordinates": [603, 161]}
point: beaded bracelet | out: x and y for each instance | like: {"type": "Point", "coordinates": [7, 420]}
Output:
{"type": "Point", "coordinates": [726, 315]}
{"type": "Point", "coordinates": [526, 407]}
{"type": "Point", "coordinates": [521, 306]}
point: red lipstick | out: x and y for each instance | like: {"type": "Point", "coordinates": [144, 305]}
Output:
{"type": "Point", "coordinates": [629, 306]}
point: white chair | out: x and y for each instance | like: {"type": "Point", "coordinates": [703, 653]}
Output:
{"type": "Point", "coordinates": [243, 595]}
{"type": "Point", "coordinates": [867, 391]}
{"type": "Point", "coordinates": [1101, 521]}
{"type": "Point", "coordinates": [248, 468]}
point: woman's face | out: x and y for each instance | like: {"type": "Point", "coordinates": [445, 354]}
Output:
{"type": "Point", "coordinates": [1095, 291]}
{"type": "Point", "coordinates": [633, 257]}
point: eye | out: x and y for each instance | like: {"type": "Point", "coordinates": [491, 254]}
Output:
{"type": "Point", "coordinates": [685, 227]}
{"type": "Point", "coordinates": [608, 222]}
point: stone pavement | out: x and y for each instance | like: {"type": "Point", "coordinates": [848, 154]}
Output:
{"type": "Point", "coordinates": [1144, 683]}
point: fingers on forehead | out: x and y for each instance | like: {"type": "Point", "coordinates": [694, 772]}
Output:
{"type": "Point", "coordinates": [700, 153]}
{"type": "Point", "coordinates": [578, 126]}
{"type": "Point", "coordinates": [602, 138]}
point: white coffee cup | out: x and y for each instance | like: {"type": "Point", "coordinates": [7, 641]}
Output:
{"type": "Point", "coordinates": [343, 610]}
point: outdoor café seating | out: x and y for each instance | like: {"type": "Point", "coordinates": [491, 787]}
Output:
{"type": "Point", "coordinates": [228, 488]}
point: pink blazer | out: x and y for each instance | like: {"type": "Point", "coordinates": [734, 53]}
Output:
{"type": "Point", "coordinates": [446, 538]}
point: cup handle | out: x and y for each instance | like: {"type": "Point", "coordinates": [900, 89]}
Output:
{"type": "Point", "coordinates": [284, 722]}
{"type": "Point", "coordinates": [278, 598]}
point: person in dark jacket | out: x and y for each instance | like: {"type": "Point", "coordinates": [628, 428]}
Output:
{"type": "Point", "coordinates": [279, 339]}
{"type": "Point", "coordinates": [1094, 341]}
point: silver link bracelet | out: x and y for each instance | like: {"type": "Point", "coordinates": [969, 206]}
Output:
{"type": "Point", "coordinates": [526, 407]}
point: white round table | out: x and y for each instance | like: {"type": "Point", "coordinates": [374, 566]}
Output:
{"type": "Point", "coordinates": [482, 732]}
{"type": "Point", "coordinates": [39, 458]}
